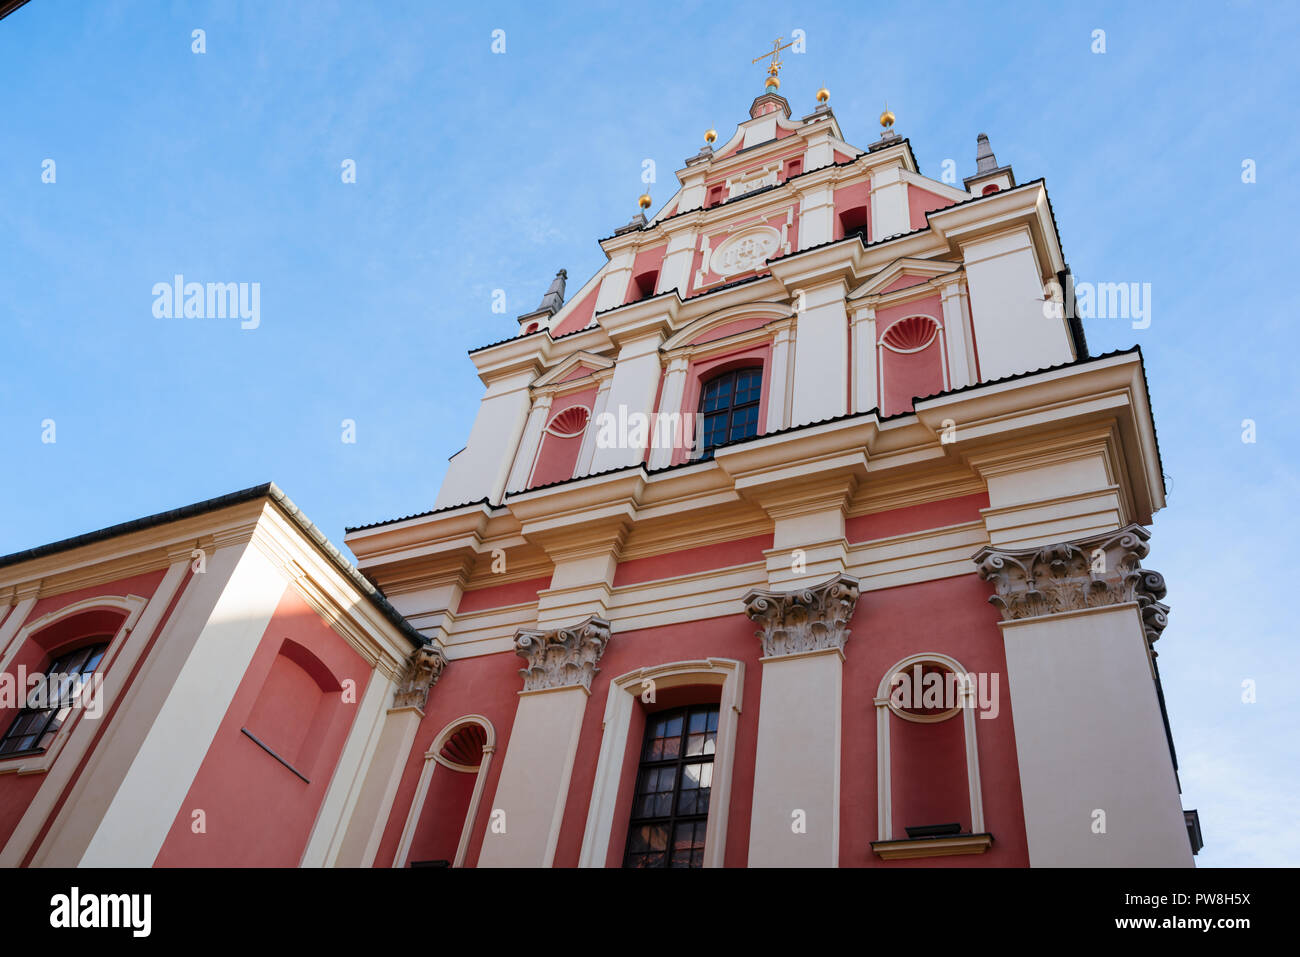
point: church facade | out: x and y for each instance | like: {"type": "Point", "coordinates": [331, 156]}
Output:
{"type": "Point", "coordinates": [807, 532]}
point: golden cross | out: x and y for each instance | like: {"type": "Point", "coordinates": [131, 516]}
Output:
{"type": "Point", "coordinates": [775, 65]}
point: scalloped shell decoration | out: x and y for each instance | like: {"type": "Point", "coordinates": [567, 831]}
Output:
{"type": "Point", "coordinates": [465, 747]}
{"type": "Point", "coordinates": [911, 334]}
{"type": "Point", "coordinates": [569, 422]}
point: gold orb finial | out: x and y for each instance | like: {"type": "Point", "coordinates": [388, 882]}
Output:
{"type": "Point", "coordinates": [710, 135]}
{"type": "Point", "coordinates": [644, 201]}
{"type": "Point", "coordinates": [887, 118]}
{"type": "Point", "coordinates": [823, 95]}
{"type": "Point", "coordinates": [773, 82]}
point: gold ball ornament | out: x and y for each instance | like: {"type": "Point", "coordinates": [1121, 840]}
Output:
{"type": "Point", "coordinates": [710, 135]}
{"type": "Point", "coordinates": [887, 118]}
{"type": "Point", "coordinates": [823, 95]}
{"type": "Point", "coordinates": [644, 201]}
{"type": "Point", "coordinates": [773, 83]}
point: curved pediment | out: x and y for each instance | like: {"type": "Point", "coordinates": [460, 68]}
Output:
{"type": "Point", "coordinates": [729, 321]}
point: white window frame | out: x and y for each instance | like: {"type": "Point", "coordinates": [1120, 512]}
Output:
{"type": "Point", "coordinates": [725, 673]}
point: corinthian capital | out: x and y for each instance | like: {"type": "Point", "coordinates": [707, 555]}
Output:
{"type": "Point", "coordinates": [1087, 572]}
{"type": "Point", "coordinates": [423, 669]}
{"type": "Point", "coordinates": [562, 657]}
{"type": "Point", "coordinates": [804, 619]}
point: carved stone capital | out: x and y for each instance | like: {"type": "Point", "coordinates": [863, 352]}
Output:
{"type": "Point", "coordinates": [423, 669]}
{"type": "Point", "coordinates": [1085, 573]}
{"type": "Point", "coordinates": [815, 618]}
{"type": "Point", "coordinates": [562, 657]}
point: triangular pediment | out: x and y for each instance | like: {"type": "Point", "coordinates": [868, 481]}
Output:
{"type": "Point", "coordinates": [894, 277]}
{"type": "Point", "coordinates": [577, 366]}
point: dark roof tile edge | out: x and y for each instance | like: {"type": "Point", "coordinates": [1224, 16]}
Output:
{"type": "Point", "coordinates": [366, 586]}
{"type": "Point", "coordinates": [433, 511]}
{"type": "Point", "coordinates": [267, 490]}
{"type": "Point", "coordinates": [799, 252]}
{"type": "Point", "coordinates": [808, 425]}
{"type": "Point", "coordinates": [138, 524]}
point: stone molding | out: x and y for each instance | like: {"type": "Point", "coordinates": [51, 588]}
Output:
{"type": "Point", "coordinates": [423, 669]}
{"type": "Point", "coordinates": [562, 657]}
{"type": "Point", "coordinates": [802, 620]}
{"type": "Point", "coordinates": [1085, 573]}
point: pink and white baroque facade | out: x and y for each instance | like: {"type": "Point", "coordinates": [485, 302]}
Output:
{"type": "Point", "coordinates": [810, 441]}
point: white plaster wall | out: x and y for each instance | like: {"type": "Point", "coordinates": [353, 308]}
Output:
{"type": "Point", "coordinates": [636, 380]}
{"type": "Point", "coordinates": [816, 216]}
{"type": "Point", "coordinates": [1006, 291]}
{"type": "Point", "coordinates": [821, 355]}
{"type": "Point", "coordinates": [797, 766]}
{"type": "Point", "coordinates": [534, 784]}
{"type": "Point", "coordinates": [349, 779]}
{"type": "Point", "coordinates": [137, 822]}
{"type": "Point", "coordinates": [480, 470]}
{"type": "Point", "coordinates": [1089, 737]}
{"type": "Point", "coordinates": [889, 214]}
{"type": "Point", "coordinates": [370, 816]}
{"type": "Point", "coordinates": [675, 273]}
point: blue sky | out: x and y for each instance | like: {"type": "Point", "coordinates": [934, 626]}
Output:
{"type": "Point", "coordinates": [478, 172]}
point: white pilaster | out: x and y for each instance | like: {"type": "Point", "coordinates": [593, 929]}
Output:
{"type": "Point", "coordinates": [632, 392]}
{"type": "Point", "coordinates": [482, 468]}
{"type": "Point", "coordinates": [864, 359]}
{"type": "Point", "coordinates": [528, 446]}
{"type": "Point", "coordinates": [821, 358]}
{"type": "Point", "coordinates": [1096, 773]}
{"type": "Point", "coordinates": [598, 407]}
{"type": "Point", "coordinates": [137, 822]}
{"type": "Point", "coordinates": [675, 273]}
{"type": "Point", "coordinates": [816, 216]}
{"type": "Point", "coordinates": [795, 820]}
{"type": "Point", "coordinates": [961, 358]}
{"type": "Point", "coordinates": [778, 396]}
{"type": "Point", "coordinates": [524, 826]}
{"type": "Point", "coordinates": [1007, 314]}
{"type": "Point", "coordinates": [670, 404]}
{"type": "Point", "coordinates": [889, 212]}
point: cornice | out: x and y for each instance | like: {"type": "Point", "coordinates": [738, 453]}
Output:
{"type": "Point", "coordinates": [893, 462]}
{"type": "Point", "coordinates": [531, 353]}
{"type": "Point", "coordinates": [646, 317]}
{"type": "Point", "coordinates": [335, 598]}
{"type": "Point", "coordinates": [1025, 205]}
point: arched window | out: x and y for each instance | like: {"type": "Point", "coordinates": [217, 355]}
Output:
{"type": "Point", "coordinates": [90, 637]}
{"type": "Point", "coordinates": [52, 700]}
{"type": "Point", "coordinates": [670, 807]}
{"type": "Point", "coordinates": [729, 405]}
{"type": "Point", "coordinates": [666, 802]}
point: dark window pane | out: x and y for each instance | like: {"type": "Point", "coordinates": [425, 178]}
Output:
{"type": "Point", "coordinates": [43, 714]}
{"type": "Point", "coordinates": [671, 805]}
{"type": "Point", "coordinates": [730, 404]}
